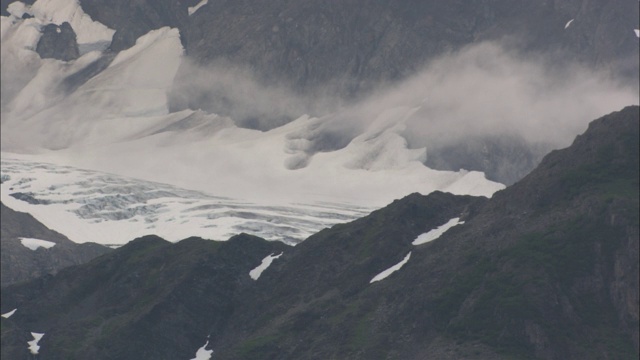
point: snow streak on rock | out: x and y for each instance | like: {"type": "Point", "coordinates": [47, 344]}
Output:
{"type": "Point", "coordinates": [266, 262]}
{"type": "Point", "coordinates": [383, 275]}
{"type": "Point", "coordinates": [436, 233]}
{"type": "Point", "coordinates": [8, 314]}
{"type": "Point", "coordinates": [568, 23]}
{"type": "Point", "coordinates": [33, 344]}
{"type": "Point", "coordinates": [203, 353]}
{"type": "Point", "coordinates": [193, 9]}
{"type": "Point", "coordinates": [34, 244]}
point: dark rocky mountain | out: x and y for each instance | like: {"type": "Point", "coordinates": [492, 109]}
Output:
{"type": "Point", "coordinates": [20, 263]}
{"type": "Point", "coordinates": [547, 268]}
{"type": "Point", "coordinates": [357, 44]}
{"type": "Point", "coordinates": [351, 47]}
{"type": "Point", "coordinates": [58, 42]}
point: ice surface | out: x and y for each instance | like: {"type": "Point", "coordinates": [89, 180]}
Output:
{"type": "Point", "coordinates": [255, 273]}
{"type": "Point", "coordinates": [383, 275]}
{"type": "Point", "coordinates": [193, 9]}
{"type": "Point", "coordinates": [33, 244]}
{"type": "Point", "coordinates": [437, 232]}
{"type": "Point", "coordinates": [568, 23]}
{"type": "Point", "coordinates": [203, 353]}
{"type": "Point", "coordinates": [8, 315]}
{"type": "Point", "coordinates": [33, 344]}
{"type": "Point", "coordinates": [108, 209]}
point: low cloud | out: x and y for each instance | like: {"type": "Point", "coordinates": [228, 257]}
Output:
{"type": "Point", "coordinates": [483, 89]}
{"type": "Point", "coordinates": [486, 89]}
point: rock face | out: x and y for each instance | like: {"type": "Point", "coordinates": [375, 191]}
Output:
{"type": "Point", "coordinates": [20, 263]}
{"type": "Point", "coordinates": [503, 158]}
{"type": "Point", "coordinates": [132, 19]}
{"type": "Point", "coordinates": [547, 268]}
{"type": "Point", "coordinates": [58, 42]}
{"type": "Point", "coordinates": [352, 46]}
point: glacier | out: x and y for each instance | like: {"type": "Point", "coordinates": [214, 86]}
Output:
{"type": "Point", "coordinates": [105, 160]}
{"type": "Point", "coordinates": [108, 162]}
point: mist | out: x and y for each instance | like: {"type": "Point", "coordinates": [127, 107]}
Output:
{"type": "Point", "coordinates": [233, 91]}
{"type": "Point", "coordinates": [480, 90]}
{"type": "Point", "coordinates": [486, 89]}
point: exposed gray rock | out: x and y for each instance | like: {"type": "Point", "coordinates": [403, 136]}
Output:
{"type": "Point", "coordinates": [58, 42]}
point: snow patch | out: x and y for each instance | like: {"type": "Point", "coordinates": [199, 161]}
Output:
{"type": "Point", "coordinates": [8, 315]}
{"type": "Point", "coordinates": [33, 344]}
{"type": "Point", "coordinates": [193, 9]}
{"type": "Point", "coordinates": [391, 270]}
{"type": "Point", "coordinates": [33, 244]}
{"type": "Point", "coordinates": [437, 232]}
{"type": "Point", "coordinates": [568, 23]}
{"type": "Point", "coordinates": [266, 262]}
{"type": "Point", "coordinates": [203, 353]}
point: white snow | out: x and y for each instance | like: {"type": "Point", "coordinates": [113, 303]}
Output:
{"type": "Point", "coordinates": [266, 262]}
{"type": "Point", "coordinates": [391, 270]}
{"type": "Point", "coordinates": [203, 353]}
{"type": "Point", "coordinates": [568, 23]}
{"type": "Point", "coordinates": [8, 314]}
{"type": "Point", "coordinates": [637, 31]}
{"type": "Point", "coordinates": [17, 9]}
{"type": "Point", "coordinates": [437, 232]}
{"type": "Point", "coordinates": [125, 99]}
{"type": "Point", "coordinates": [108, 209]}
{"type": "Point", "coordinates": [193, 9]}
{"type": "Point", "coordinates": [33, 244]}
{"type": "Point", "coordinates": [33, 344]}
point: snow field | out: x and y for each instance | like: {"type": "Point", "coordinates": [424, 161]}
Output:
{"type": "Point", "coordinates": [34, 244]}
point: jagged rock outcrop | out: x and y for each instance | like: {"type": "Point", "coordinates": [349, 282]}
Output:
{"type": "Point", "coordinates": [58, 42]}
{"type": "Point", "coordinates": [19, 263]}
{"type": "Point", "coordinates": [132, 19]}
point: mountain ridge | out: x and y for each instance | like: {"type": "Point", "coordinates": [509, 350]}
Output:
{"type": "Point", "coordinates": [547, 268]}
{"type": "Point", "coordinates": [21, 264]}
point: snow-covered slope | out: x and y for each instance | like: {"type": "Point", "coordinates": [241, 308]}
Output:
{"type": "Point", "coordinates": [59, 141]}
